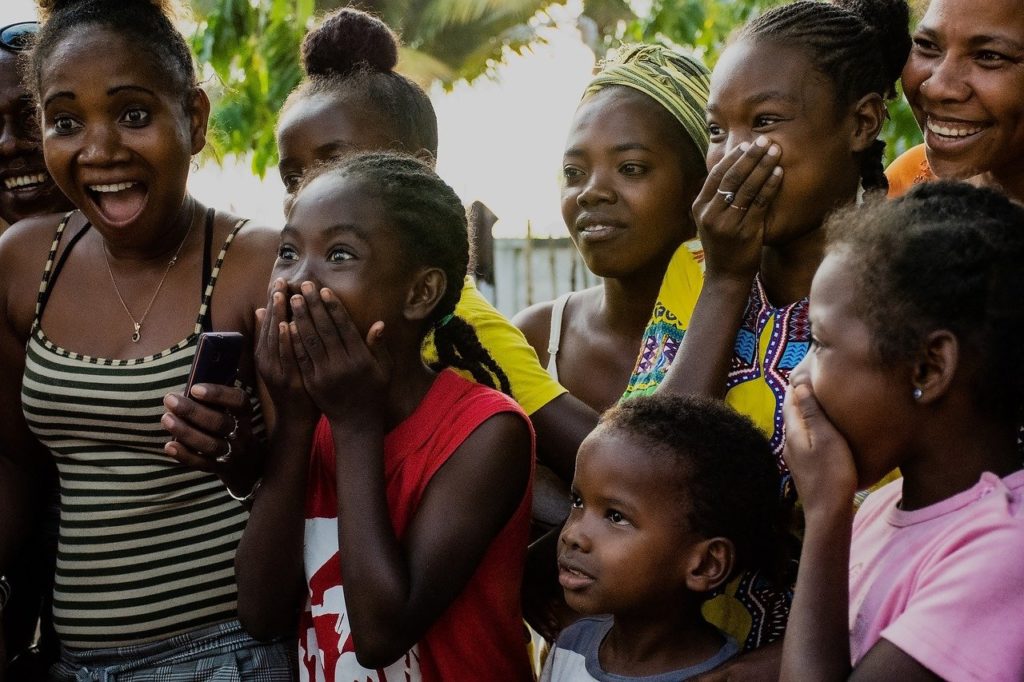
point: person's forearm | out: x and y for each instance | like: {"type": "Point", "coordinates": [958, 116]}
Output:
{"type": "Point", "coordinates": [702, 362]}
{"type": "Point", "coordinates": [269, 561]}
{"type": "Point", "coordinates": [561, 426]}
{"type": "Point", "coordinates": [817, 646]}
{"type": "Point", "coordinates": [551, 499]}
{"type": "Point", "coordinates": [378, 585]}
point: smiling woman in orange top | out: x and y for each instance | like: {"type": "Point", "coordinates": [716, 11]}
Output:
{"type": "Point", "coordinates": [965, 82]}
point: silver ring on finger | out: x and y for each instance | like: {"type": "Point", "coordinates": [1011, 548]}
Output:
{"type": "Point", "coordinates": [727, 197]}
{"type": "Point", "coordinates": [738, 208]}
{"type": "Point", "coordinates": [223, 459]}
{"type": "Point", "coordinates": [234, 431]}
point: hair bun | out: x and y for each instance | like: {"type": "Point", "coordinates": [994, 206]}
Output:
{"type": "Point", "coordinates": [891, 21]}
{"type": "Point", "coordinates": [172, 9]}
{"type": "Point", "coordinates": [347, 39]}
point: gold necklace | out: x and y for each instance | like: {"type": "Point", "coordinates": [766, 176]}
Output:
{"type": "Point", "coordinates": [137, 324]}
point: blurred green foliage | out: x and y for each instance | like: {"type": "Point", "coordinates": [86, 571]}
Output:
{"type": "Point", "coordinates": [248, 50]}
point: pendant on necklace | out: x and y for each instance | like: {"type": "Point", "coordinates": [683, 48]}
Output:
{"type": "Point", "coordinates": [136, 335]}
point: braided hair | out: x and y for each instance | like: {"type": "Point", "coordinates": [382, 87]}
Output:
{"type": "Point", "coordinates": [430, 222]}
{"type": "Point", "coordinates": [946, 255]}
{"type": "Point", "coordinates": [354, 54]}
{"type": "Point", "coordinates": [859, 45]}
{"type": "Point", "coordinates": [146, 23]}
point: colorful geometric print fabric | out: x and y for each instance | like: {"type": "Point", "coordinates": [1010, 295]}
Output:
{"type": "Point", "coordinates": [770, 343]}
{"type": "Point", "coordinates": [672, 309]}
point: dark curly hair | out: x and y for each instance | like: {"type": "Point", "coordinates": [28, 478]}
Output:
{"type": "Point", "coordinates": [726, 474]}
{"type": "Point", "coordinates": [946, 255]}
{"type": "Point", "coordinates": [146, 23]}
{"type": "Point", "coordinates": [430, 222]}
{"type": "Point", "coordinates": [354, 54]}
{"type": "Point", "coordinates": [859, 45]}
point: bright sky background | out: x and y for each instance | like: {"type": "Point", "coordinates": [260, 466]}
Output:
{"type": "Point", "coordinates": [501, 139]}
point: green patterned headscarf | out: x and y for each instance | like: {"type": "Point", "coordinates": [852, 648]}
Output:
{"type": "Point", "coordinates": [679, 83]}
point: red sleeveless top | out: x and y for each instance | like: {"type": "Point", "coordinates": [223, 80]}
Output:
{"type": "Point", "coordinates": [481, 635]}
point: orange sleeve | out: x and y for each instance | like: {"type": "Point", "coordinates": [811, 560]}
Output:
{"type": "Point", "coordinates": [909, 169]}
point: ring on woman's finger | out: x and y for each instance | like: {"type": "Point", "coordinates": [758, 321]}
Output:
{"type": "Point", "coordinates": [728, 197]}
{"type": "Point", "coordinates": [234, 431]}
{"type": "Point", "coordinates": [738, 208]}
{"type": "Point", "coordinates": [223, 459]}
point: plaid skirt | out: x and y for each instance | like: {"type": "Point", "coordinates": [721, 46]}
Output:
{"type": "Point", "coordinates": [221, 653]}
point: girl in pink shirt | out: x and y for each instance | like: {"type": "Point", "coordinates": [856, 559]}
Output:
{"type": "Point", "coordinates": [918, 331]}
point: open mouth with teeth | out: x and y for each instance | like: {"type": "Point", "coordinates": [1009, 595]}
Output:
{"type": "Point", "coordinates": [598, 232]}
{"type": "Point", "coordinates": [953, 130]}
{"type": "Point", "coordinates": [29, 181]}
{"type": "Point", "coordinates": [118, 202]}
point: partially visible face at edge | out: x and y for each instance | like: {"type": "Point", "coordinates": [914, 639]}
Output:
{"type": "Point", "coordinates": [964, 80]}
{"type": "Point", "coordinates": [26, 187]}
{"type": "Point", "coordinates": [322, 127]}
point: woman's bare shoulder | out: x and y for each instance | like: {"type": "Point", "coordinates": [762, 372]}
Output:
{"type": "Point", "coordinates": [24, 248]}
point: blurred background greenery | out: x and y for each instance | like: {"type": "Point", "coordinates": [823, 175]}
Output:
{"type": "Point", "coordinates": [249, 49]}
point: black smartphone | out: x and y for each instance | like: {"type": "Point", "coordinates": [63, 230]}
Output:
{"type": "Point", "coordinates": [216, 359]}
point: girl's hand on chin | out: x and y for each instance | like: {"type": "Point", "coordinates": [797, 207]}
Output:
{"type": "Point", "coordinates": [276, 360]}
{"type": "Point", "coordinates": [817, 454]}
{"type": "Point", "coordinates": [346, 375]}
{"type": "Point", "coordinates": [731, 208]}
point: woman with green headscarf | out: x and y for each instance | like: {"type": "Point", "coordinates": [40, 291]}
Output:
{"type": "Point", "coordinates": [632, 167]}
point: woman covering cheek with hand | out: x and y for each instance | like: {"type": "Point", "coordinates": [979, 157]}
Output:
{"type": "Point", "coordinates": [400, 535]}
{"type": "Point", "coordinates": [794, 113]}
{"type": "Point", "coordinates": [908, 370]}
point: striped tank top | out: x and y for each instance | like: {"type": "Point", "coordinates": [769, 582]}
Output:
{"type": "Point", "coordinates": [147, 545]}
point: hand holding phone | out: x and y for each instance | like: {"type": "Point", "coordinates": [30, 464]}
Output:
{"type": "Point", "coordinates": [216, 360]}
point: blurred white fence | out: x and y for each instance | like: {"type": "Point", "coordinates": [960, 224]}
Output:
{"type": "Point", "coordinates": [528, 271]}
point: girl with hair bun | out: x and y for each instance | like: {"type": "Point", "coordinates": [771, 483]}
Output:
{"type": "Point", "coordinates": [352, 100]}
{"type": "Point", "coordinates": [103, 311]}
{"type": "Point", "coordinates": [401, 533]}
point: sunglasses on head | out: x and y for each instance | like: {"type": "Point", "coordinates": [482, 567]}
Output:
{"type": "Point", "coordinates": [18, 37]}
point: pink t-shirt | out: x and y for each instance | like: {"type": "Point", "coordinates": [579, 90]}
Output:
{"type": "Point", "coordinates": [945, 583]}
{"type": "Point", "coordinates": [481, 635]}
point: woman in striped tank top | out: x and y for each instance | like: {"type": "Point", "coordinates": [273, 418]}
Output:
{"type": "Point", "coordinates": [94, 359]}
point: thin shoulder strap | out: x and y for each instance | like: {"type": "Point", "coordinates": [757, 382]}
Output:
{"type": "Point", "coordinates": [50, 273]}
{"type": "Point", "coordinates": [555, 333]}
{"type": "Point", "coordinates": [204, 322]}
{"type": "Point", "coordinates": [207, 246]}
